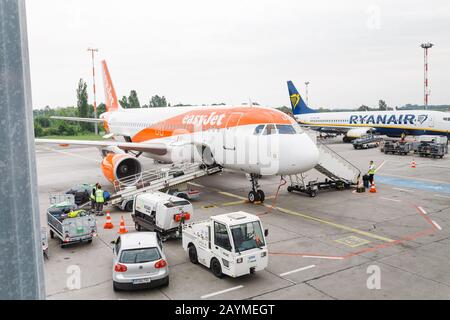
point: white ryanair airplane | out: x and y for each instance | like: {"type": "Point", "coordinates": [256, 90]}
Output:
{"type": "Point", "coordinates": [355, 124]}
{"type": "Point", "coordinates": [251, 139]}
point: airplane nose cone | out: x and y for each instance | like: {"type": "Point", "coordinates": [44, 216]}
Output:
{"type": "Point", "coordinates": [299, 154]}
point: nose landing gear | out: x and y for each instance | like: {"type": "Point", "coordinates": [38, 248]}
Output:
{"type": "Point", "coordinates": [256, 194]}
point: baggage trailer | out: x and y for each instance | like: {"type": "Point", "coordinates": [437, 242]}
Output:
{"type": "Point", "coordinates": [69, 230]}
{"type": "Point", "coordinates": [367, 142]}
{"type": "Point", "coordinates": [431, 149]}
{"type": "Point", "coordinates": [231, 244]}
{"type": "Point", "coordinates": [161, 213]}
{"type": "Point", "coordinates": [396, 147]}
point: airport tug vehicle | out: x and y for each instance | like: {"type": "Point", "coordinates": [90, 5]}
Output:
{"type": "Point", "coordinates": [231, 244]}
{"type": "Point", "coordinates": [162, 213]}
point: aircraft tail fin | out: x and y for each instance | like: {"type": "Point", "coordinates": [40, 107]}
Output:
{"type": "Point", "coordinates": [297, 103]}
{"type": "Point", "coordinates": [111, 102]}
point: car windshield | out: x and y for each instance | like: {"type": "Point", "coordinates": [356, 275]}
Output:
{"type": "Point", "coordinates": [247, 236]}
{"type": "Point", "coordinates": [140, 255]}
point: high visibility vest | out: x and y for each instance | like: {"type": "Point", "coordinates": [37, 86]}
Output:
{"type": "Point", "coordinates": [372, 169]}
{"type": "Point", "coordinates": [99, 196]}
{"type": "Point", "coordinates": [74, 214]}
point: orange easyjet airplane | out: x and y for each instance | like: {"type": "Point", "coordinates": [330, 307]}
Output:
{"type": "Point", "coordinates": [251, 139]}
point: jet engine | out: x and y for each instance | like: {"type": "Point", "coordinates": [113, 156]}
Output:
{"type": "Point", "coordinates": [356, 133]}
{"type": "Point", "coordinates": [122, 167]}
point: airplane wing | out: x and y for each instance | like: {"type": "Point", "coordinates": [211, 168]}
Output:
{"type": "Point", "coordinates": [91, 120]}
{"type": "Point", "coordinates": [155, 148]}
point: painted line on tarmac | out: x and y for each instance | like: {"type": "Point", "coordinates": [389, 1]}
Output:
{"type": "Point", "coordinates": [400, 189]}
{"type": "Point", "coordinates": [324, 257]}
{"type": "Point", "coordinates": [297, 270]}
{"type": "Point", "coordinates": [339, 226]}
{"type": "Point", "coordinates": [73, 155]}
{"type": "Point", "coordinates": [381, 166]}
{"type": "Point", "coordinates": [389, 199]}
{"type": "Point", "coordinates": [209, 295]}
{"type": "Point", "coordinates": [411, 179]}
{"type": "Point", "coordinates": [441, 196]}
{"type": "Point", "coordinates": [422, 210]}
{"type": "Point", "coordinates": [336, 225]}
{"type": "Point", "coordinates": [436, 225]}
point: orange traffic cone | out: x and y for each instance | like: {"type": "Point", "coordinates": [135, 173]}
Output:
{"type": "Point", "coordinates": [372, 188]}
{"type": "Point", "coordinates": [108, 224]}
{"type": "Point", "coordinates": [122, 228]}
{"type": "Point", "coordinates": [413, 164]}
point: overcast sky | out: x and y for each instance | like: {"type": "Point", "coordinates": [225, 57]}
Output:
{"type": "Point", "coordinates": [204, 51]}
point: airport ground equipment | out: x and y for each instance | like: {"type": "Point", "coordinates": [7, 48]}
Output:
{"type": "Point", "coordinates": [231, 244]}
{"type": "Point", "coordinates": [340, 173]}
{"type": "Point", "coordinates": [44, 241]}
{"type": "Point", "coordinates": [431, 149]}
{"type": "Point", "coordinates": [158, 180]}
{"type": "Point", "coordinates": [396, 147]}
{"type": "Point", "coordinates": [367, 142]}
{"type": "Point", "coordinates": [81, 193]}
{"type": "Point", "coordinates": [161, 213]}
{"type": "Point", "coordinates": [69, 230]}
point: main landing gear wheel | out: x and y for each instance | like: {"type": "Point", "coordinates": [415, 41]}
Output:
{"type": "Point", "coordinates": [255, 194]}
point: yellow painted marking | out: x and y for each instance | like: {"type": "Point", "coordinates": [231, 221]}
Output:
{"type": "Point", "coordinates": [210, 206]}
{"type": "Point", "coordinates": [336, 225]}
{"type": "Point", "coordinates": [226, 204]}
{"type": "Point", "coordinates": [353, 241]}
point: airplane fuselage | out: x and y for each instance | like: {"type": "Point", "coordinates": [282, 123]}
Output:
{"type": "Point", "coordinates": [234, 137]}
{"type": "Point", "coordinates": [391, 123]}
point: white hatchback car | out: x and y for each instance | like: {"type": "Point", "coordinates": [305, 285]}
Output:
{"type": "Point", "coordinates": [139, 262]}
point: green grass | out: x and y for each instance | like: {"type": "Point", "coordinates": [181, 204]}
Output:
{"type": "Point", "coordinates": [91, 137]}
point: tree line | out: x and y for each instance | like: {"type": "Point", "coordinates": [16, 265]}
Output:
{"type": "Point", "coordinates": [45, 126]}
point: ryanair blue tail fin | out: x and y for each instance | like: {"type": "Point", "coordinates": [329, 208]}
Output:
{"type": "Point", "coordinates": [297, 103]}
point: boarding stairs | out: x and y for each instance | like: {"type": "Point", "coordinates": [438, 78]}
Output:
{"type": "Point", "coordinates": [159, 179]}
{"type": "Point", "coordinates": [335, 167]}
{"type": "Point", "coordinates": [340, 173]}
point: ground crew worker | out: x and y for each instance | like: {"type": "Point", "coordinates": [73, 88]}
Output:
{"type": "Point", "coordinates": [99, 200]}
{"type": "Point", "coordinates": [371, 172]}
{"type": "Point", "coordinates": [93, 197]}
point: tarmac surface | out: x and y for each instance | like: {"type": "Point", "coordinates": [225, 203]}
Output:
{"type": "Point", "coordinates": [332, 246]}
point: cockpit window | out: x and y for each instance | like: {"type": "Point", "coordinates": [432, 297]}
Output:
{"type": "Point", "coordinates": [270, 129]}
{"type": "Point", "coordinates": [285, 129]}
{"type": "Point", "coordinates": [259, 129]}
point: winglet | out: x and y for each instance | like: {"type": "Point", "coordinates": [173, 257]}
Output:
{"type": "Point", "coordinates": [111, 101]}
{"type": "Point", "coordinates": [297, 103]}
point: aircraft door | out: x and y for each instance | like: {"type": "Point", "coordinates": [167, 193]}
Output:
{"type": "Point", "coordinates": [229, 134]}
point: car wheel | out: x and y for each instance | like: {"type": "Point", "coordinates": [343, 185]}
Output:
{"type": "Point", "coordinates": [137, 227]}
{"type": "Point", "coordinates": [129, 206]}
{"type": "Point", "coordinates": [52, 234]}
{"type": "Point", "coordinates": [193, 254]}
{"type": "Point", "coordinates": [216, 268]}
{"type": "Point", "coordinates": [312, 193]}
{"type": "Point", "coordinates": [115, 287]}
{"type": "Point", "coordinates": [166, 283]}
{"type": "Point", "coordinates": [290, 189]}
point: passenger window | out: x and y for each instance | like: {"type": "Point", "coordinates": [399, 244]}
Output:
{"type": "Point", "coordinates": [259, 129]}
{"type": "Point", "coordinates": [270, 129]}
{"type": "Point", "coordinates": [221, 237]}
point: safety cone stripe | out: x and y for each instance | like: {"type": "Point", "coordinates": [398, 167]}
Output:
{"type": "Point", "coordinates": [108, 224]}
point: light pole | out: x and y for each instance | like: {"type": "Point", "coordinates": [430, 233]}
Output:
{"type": "Point", "coordinates": [306, 84]}
{"type": "Point", "coordinates": [92, 50]}
{"type": "Point", "coordinates": [426, 91]}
